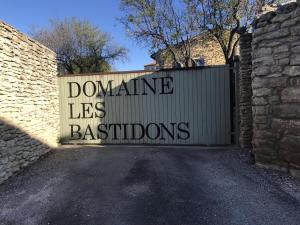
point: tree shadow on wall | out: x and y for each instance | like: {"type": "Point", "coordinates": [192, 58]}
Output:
{"type": "Point", "coordinates": [18, 149]}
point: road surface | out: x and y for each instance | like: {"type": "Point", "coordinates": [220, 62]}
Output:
{"type": "Point", "coordinates": [138, 185]}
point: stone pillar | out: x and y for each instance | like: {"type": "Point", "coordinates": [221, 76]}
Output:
{"type": "Point", "coordinates": [276, 89]}
{"type": "Point", "coordinates": [246, 127]}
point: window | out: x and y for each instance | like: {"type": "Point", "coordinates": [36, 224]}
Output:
{"type": "Point", "coordinates": [200, 61]}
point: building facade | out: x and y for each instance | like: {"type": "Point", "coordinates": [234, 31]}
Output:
{"type": "Point", "coordinates": [206, 51]}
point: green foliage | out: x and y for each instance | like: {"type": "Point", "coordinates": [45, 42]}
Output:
{"type": "Point", "coordinates": [80, 46]}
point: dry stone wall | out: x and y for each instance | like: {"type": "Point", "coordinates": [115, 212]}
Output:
{"type": "Point", "coordinates": [246, 120]}
{"type": "Point", "coordinates": [276, 88]}
{"type": "Point", "coordinates": [29, 112]}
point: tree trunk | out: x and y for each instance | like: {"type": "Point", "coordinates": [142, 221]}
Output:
{"type": "Point", "coordinates": [230, 61]}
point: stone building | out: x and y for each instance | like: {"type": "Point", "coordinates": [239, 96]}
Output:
{"type": "Point", "coordinates": [205, 51]}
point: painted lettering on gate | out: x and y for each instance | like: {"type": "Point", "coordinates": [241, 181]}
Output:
{"type": "Point", "coordinates": [121, 131]}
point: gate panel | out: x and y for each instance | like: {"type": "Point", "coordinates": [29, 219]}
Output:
{"type": "Point", "coordinates": [165, 107]}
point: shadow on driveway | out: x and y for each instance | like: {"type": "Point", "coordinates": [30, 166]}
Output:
{"type": "Point", "coordinates": [134, 185]}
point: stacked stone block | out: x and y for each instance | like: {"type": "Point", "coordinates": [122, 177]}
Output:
{"type": "Point", "coordinates": [29, 112]}
{"type": "Point", "coordinates": [276, 88]}
{"type": "Point", "coordinates": [245, 94]}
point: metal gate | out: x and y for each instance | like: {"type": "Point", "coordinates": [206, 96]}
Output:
{"type": "Point", "coordinates": [186, 106]}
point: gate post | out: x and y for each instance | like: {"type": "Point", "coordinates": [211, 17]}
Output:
{"type": "Point", "coordinates": [236, 71]}
{"type": "Point", "coordinates": [245, 100]}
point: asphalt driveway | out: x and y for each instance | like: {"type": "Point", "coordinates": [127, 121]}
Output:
{"type": "Point", "coordinates": [117, 185]}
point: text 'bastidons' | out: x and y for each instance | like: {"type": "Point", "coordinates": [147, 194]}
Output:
{"type": "Point", "coordinates": [133, 130]}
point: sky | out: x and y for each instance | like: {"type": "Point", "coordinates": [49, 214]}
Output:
{"type": "Point", "coordinates": [24, 14]}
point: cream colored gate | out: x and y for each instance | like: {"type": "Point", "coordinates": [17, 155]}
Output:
{"type": "Point", "coordinates": [165, 107]}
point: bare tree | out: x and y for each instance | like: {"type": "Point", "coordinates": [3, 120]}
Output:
{"type": "Point", "coordinates": [80, 46]}
{"type": "Point", "coordinates": [225, 20]}
{"type": "Point", "coordinates": [161, 25]}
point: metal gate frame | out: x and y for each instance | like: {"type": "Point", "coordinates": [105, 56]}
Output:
{"type": "Point", "coordinates": [183, 72]}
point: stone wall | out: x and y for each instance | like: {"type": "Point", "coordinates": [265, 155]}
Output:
{"type": "Point", "coordinates": [276, 88]}
{"type": "Point", "coordinates": [29, 112]}
{"type": "Point", "coordinates": [245, 89]}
